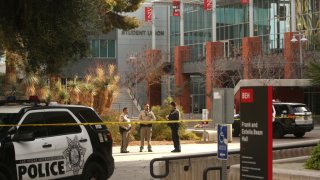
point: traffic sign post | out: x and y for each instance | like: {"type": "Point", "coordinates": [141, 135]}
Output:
{"type": "Point", "coordinates": [205, 113]}
{"type": "Point", "coordinates": [223, 148]}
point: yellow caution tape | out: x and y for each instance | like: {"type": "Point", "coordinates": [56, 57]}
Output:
{"type": "Point", "coordinates": [108, 122]}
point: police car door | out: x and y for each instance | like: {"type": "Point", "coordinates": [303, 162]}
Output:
{"type": "Point", "coordinates": [35, 159]}
{"type": "Point", "coordinates": [73, 142]}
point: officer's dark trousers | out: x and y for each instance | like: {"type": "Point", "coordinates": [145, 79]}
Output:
{"type": "Point", "coordinates": [175, 137]}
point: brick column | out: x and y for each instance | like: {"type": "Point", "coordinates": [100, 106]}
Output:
{"type": "Point", "coordinates": [214, 50]}
{"type": "Point", "coordinates": [289, 50]}
{"type": "Point", "coordinates": [153, 88]}
{"type": "Point", "coordinates": [181, 80]}
{"type": "Point", "coordinates": [251, 46]}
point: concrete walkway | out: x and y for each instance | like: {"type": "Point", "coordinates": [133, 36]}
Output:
{"type": "Point", "coordinates": [135, 165]}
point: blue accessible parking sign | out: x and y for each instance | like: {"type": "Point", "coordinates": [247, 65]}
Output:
{"type": "Point", "coordinates": [222, 142]}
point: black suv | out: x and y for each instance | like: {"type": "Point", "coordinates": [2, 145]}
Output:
{"type": "Point", "coordinates": [291, 118]}
{"type": "Point", "coordinates": [288, 118]}
{"type": "Point", "coordinates": [35, 145]}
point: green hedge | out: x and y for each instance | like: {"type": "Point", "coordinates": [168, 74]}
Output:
{"type": "Point", "coordinates": [314, 161]}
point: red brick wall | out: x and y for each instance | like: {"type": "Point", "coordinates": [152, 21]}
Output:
{"type": "Point", "coordinates": [154, 96]}
{"type": "Point", "coordinates": [153, 55]}
{"type": "Point", "coordinates": [214, 50]}
{"type": "Point", "coordinates": [181, 80]}
{"type": "Point", "coordinates": [251, 46]}
{"type": "Point", "coordinates": [289, 50]}
{"type": "Point", "coordinates": [154, 89]}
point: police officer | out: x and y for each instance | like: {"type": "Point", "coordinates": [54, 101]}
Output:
{"type": "Point", "coordinates": [124, 130]}
{"type": "Point", "coordinates": [174, 116]}
{"type": "Point", "coordinates": [146, 129]}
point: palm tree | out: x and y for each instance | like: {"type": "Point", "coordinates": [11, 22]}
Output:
{"type": "Point", "coordinates": [42, 89]}
{"type": "Point", "coordinates": [11, 71]}
{"type": "Point", "coordinates": [88, 91]}
{"type": "Point", "coordinates": [106, 88]}
{"type": "Point", "coordinates": [29, 83]}
{"type": "Point", "coordinates": [74, 91]}
{"type": "Point", "coordinates": [313, 73]}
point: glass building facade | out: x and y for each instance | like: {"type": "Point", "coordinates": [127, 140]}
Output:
{"type": "Point", "coordinates": [271, 19]}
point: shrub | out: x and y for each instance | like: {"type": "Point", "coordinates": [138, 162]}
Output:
{"type": "Point", "coordinates": [113, 116]}
{"type": "Point", "coordinates": [314, 161]}
{"type": "Point", "coordinates": [189, 136]}
{"type": "Point", "coordinates": [162, 131]}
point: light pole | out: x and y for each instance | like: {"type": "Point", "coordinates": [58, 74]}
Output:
{"type": "Point", "coordinates": [301, 38]}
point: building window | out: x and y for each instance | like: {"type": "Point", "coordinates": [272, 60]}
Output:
{"type": "Point", "coordinates": [112, 48]}
{"type": "Point", "coordinates": [94, 48]}
{"type": "Point", "coordinates": [2, 59]}
{"type": "Point", "coordinates": [102, 48]}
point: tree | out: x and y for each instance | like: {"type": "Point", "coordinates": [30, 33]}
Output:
{"type": "Point", "coordinates": [107, 89]}
{"type": "Point", "coordinates": [50, 33]}
{"type": "Point", "coordinates": [313, 61]}
{"type": "Point", "coordinates": [149, 67]}
{"type": "Point", "coordinates": [314, 73]}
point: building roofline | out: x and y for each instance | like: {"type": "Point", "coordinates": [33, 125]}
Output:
{"type": "Point", "coordinates": [272, 82]}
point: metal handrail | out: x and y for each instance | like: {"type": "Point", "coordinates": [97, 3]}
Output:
{"type": "Point", "coordinates": [167, 159]}
{"type": "Point", "coordinates": [205, 172]}
{"type": "Point", "coordinates": [232, 152]}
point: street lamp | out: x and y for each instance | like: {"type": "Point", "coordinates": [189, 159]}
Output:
{"type": "Point", "coordinates": [301, 38]}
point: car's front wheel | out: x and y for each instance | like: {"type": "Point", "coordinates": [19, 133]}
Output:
{"type": "Point", "coordinates": [299, 134]}
{"type": "Point", "coordinates": [277, 131]}
{"type": "Point", "coordinates": [3, 177]}
{"type": "Point", "coordinates": [94, 171]}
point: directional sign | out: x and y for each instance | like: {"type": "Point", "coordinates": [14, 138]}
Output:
{"type": "Point", "coordinates": [256, 133]}
{"type": "Point", "coordinates": [222, 142]}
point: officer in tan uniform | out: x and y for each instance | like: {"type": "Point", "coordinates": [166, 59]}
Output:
{"type": "Point", "coordinates": [146, 128]}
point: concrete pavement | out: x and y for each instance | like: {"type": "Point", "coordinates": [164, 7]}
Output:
{"type": "Point", "coordinates": [135, 165]}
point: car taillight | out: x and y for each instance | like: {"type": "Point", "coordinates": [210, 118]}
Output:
{"type": "Point", "coordinates": [291, 116]}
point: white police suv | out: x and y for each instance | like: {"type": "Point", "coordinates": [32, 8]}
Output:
{"type": "Point", "coordinates": [48, 142]}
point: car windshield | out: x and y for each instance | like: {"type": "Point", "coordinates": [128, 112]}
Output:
{"type": "Point", "coordinates": [300, 109]}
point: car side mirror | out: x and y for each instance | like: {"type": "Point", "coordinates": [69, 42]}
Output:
{"type": "Point", "coordinates": [27, 136]}
{"type": "Point", "coordinates": [12, 130]}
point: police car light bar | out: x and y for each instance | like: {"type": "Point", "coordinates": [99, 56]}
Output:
{"type": "Point", "coordinates": [12, 100]}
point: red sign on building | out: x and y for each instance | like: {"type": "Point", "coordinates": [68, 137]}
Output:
{"type": "Point", "coordinates": [176, 7]}
{"type": "Point", "coordinates": [246, 95]}
{"type": "Point", "coordinates": [148, 14]}
{"type": "Point", "coordinates": [244, 2]}
{"type": "Point", "coordinates": [207, 5]}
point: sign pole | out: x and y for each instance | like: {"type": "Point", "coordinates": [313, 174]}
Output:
{"type": "Point", "coordinates": [224, 173]}
{"type": "Point", "coordinates": [223, 149]}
